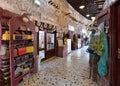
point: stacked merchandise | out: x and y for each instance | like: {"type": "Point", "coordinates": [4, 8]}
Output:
{"type": "Point", "coordinates": [17, 54]}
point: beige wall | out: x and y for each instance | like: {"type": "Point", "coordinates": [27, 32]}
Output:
{"type": "Point", "coordinates": [47, 13]}
{"type": "Point", "coordinates": [108, 3]}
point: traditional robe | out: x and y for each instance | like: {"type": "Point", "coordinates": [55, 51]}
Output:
{"type": "Point", "coordinates": [103, 62]}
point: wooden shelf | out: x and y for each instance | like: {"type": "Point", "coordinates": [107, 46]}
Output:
{"type": "Point", "coordinates": [41, 49]}
{"type": "Point", "coordinates": [23, 40]}
{"type": "Point", "coordinates": [18, 40]}
{"type": "Point", "coordinates": [5, 28]}
{"type": "Point", "coordinates": [29, 59]}
{"type": "Point", "coordinates": [22, 55]}
{"type": "Point", "coordinates": [5, 40]}
{"type": "Point", "coordinates": [5, 66]}
{"type": "Point", "coordinates": [22, 76]}
{"type": "Point", "coordinates": [23, 30]}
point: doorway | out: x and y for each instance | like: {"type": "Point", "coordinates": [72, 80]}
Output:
{"type": "Point", "coordinates": [115, 44]}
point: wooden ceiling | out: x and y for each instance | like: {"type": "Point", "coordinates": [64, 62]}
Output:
{"type": "Point", "coordinates": [92, 7]}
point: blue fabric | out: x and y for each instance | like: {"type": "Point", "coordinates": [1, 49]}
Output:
{"type": "Point", "coordinates": [103, 62]}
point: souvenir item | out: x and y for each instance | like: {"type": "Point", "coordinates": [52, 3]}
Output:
{"type": "Point", "coordinates": [7, 78]}
{"type": "Point", "coordinates": [29, 49]}
{"type": "Point", "coordinates": [24, 36]}
{"type": "Point", "coordinates": [7, 73]}
{"type": "Point", "coordinates": [5, 70]}
{"type": "Point", "coordinates": [6, 36]}
{"type": "Point", "coordinates": [5, 58]}
{"type": "Point", "coordinates": [18, 36]}
{"type": "Point", "coordinates": [21, 51]}
{"type": "Point", "coordinates": [3, 50]}
{"type": "Point", "coordinates": [5, 62]}
{"type": "Point", "coordinates": [8, 53]}
{"type": "Point", "coordinates": [15, 52]}
{"type": "Point", "coordinates": [29, 36]}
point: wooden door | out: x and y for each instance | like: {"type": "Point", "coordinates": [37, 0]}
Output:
{"type": "Point", "coordinates": [118, 56]}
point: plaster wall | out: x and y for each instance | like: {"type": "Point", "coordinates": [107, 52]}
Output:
{"type": "Point", "coordinates": [47, 13]}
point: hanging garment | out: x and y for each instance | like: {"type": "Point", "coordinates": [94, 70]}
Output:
{"type": "Point", "coordinates": [103, 62]}
{"type": "Point", "coordinates": [97, 45]}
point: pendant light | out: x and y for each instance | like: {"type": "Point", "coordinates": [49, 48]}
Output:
{"type": "Point", "coordinates": [88, 15]}
{"type": "Point", "coordinates": [82, 6]}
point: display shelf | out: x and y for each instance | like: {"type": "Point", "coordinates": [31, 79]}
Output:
{"type": "Point", "coordinates": [5, 69]}
{"type": "Point", "coordinates": [7, 73]}
{"type": "Point", "coordinates": [5, 28]}
{"type": "Point", "coordinates": [41, 49]}
{"type": "Point", "coordinates": [2, 58]}
{"type": "Point", "coordinates": [24, 30]}
{"type": "Point", "coordinates": [5, 40]}
{"type": "Point", "coordinates": [22, 40]}
{"type": "Point", "coordinates": [23, 55]}
{"type": "Point", "coordinates": [17, 40]}
{"type": "Point", "coordinates": [5, 66]}
{"type": "Point", "coordinates": [13, 25]}
{"type": "Point", "coordinates": [30, 59]}
{"type": "Point", "coordinates": [17, 80]}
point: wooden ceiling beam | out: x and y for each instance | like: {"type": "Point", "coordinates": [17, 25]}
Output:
{"type": "Point", "coordinates": [92, 7]}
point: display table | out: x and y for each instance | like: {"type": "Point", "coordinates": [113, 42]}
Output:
{"type": "Point", "coordinates": [62, 51]}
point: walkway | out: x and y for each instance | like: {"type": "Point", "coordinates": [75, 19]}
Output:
{"type": "Point", "coordinates": [72, 70]}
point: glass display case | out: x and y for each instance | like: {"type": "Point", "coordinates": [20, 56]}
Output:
{"type": "Point", "coordinates": [50, 41]}
{"type": "Point", "coordinates": [41, 39]}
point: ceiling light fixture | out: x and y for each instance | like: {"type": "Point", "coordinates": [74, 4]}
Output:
{"type": "Point", "coordinates": [82, 7]}
{"type": "Point", "coordinates": [37, 2]}
{"type": "Point", "coordinates": [87, 15]}
{"type": "Point", "coordinates": [93, 18]}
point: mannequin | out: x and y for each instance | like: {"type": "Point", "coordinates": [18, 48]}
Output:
{"type": "Point", "coordinates": [90, 48]}
{"type": "Point", "coordinates": [98, 48]}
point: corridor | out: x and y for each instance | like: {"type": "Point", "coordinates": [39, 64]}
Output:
{"type": "Point", "coordinates": [72, 70]}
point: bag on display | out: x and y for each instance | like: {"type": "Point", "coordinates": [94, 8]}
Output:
{"type": "Point", "coordinates": [30, 49]}
{"type": "Point", "coordinates": [21, 51]}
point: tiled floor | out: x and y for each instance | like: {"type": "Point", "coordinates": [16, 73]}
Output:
{"type": "Point", "coordinates": [72, 70]}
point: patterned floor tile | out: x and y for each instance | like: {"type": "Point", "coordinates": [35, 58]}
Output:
{"type": "Point", "coordinates": [72, 70]}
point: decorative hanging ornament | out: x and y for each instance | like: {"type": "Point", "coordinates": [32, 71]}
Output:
{"type": "Point", "coordinates": [25, 19]}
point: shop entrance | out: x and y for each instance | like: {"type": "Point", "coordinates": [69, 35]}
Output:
{"type": "Point", "coordinates": [115, 44]}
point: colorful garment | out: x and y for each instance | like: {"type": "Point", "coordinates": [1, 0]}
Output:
{"type": "Point", "coordinates": [103, 62]}
{"type": "Point", "coordinates": [97, 45]}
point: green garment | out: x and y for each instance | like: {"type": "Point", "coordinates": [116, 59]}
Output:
{"type": "Point", "coordinates": [103, 62]}
{"type": "Point", "coordinates": [97, 45]}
